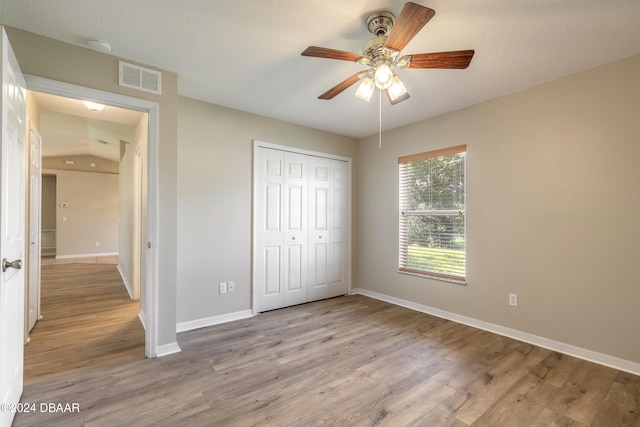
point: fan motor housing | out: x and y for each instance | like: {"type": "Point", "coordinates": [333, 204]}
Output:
{"type": "Point", "coordinates": [380, 23]}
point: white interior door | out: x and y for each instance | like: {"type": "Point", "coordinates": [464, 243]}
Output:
{"type": "Point", "coordinates": [35, 201]}
{"type": "Point", "coordinates": [12, 229]}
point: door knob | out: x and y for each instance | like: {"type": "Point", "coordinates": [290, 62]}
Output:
{"type": "Point", "coordinates": [17, 264]}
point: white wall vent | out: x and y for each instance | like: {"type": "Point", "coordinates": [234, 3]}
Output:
{"type": "Point", "coordinates": [137, 77]}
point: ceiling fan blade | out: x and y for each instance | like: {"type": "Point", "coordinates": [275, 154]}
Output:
{"type": "Point", "coordinates": [411, 20]}
{"type": "Point", "coordinates": [323, 52]}
{"type": "Point", "coordinates": [455, 59]}
{"type": "Point", "coordinates": [337, 89]}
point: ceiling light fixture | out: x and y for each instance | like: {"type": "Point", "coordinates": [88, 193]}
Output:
{"type": "Point", "coordinates": [93, 106]}
{"type": "Point", "coordinates": [380, 58]}
{"type": "Point", "coordinates": [383, 51]}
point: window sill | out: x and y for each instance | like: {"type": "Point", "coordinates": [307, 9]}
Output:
{"type": "Point", "coordinates": [462, 282]}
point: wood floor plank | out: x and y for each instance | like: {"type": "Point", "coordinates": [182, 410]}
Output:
{"type": "Point", "coordinates": [521, 405]}
{"type": "Point", "coordinates": [470, 402]}
{"type": "Point", "coordinates": [582, 395]}
{"type": "Point", "coordinates": [549, 418]}
{"type": "Point", "coordinates": [622, 404]}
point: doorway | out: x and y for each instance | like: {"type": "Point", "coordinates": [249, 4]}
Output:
{"type": "Point", "coordinates": [147, 263]}
{"type": "Point", "coordinates": [87, 316]}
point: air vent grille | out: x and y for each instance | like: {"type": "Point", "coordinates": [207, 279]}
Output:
{"type": "Point", "coordinates": [137, 77]}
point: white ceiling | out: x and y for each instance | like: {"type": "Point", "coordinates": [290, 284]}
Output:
{"type": "Point", "coordinates": [74, 107]}
{"type": "Point", "coordinates": [245, 54]}
{"type": "Point", "coordinates": [69, 128]}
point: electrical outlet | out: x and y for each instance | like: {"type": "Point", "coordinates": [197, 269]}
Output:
{"type": "Point", "coordinates": [97, 243]}
{"type": "Point", "coordinates": [223, 287]}
{"type": "Point", "coordinates": [513, 300]}
{"type": "Point", "coordinates": [231, 287]}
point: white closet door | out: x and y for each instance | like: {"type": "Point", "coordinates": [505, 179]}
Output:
{"type": "Point", "coordinates": [301, 228]}
{"type": "Point", "coordinates": [338, 231]}
{"type": "Point", "coordinates": [270, 184]}
{"type": "Point", "coordinates": [295, 232]}
{"type": "Point", "coordinates": [319, 217]}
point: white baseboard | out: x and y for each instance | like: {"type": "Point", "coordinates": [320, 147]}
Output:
{"type": "Point", "coordinates": [126, 282]}
{"type": "Point", "coordinates": [213, 320]}
{"type": "Point", "coordinates": [87, 255]}
{"type": "Point", "coordinates": [143, 319]}
{"type": "Point", "coordinates": [167, 349]}
{"type": "Point", "coordinates": [571, 350]}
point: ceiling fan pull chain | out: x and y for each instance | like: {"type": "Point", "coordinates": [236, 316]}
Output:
{"type": "Point", "coordinates": [380, 119]}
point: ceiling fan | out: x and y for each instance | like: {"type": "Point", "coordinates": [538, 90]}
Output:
{"type": "Point", "coordinates": [382, 52]}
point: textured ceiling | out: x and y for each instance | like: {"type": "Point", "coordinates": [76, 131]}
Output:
{"type": "Point", "coordinates": [245, 54]}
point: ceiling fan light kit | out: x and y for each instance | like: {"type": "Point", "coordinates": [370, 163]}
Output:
{"type": "Point", "coordinates": [382, 52]}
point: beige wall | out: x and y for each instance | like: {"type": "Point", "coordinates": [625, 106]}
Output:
{"type": "Point", "coordinates": [91, 215]}
{"type": "Point", "coordinates": [48, 212]}
{"type": "Point", "coordinates": [215, 200]}
{"type": "Point", "coordinates": [48, 58]}
{"type": "Point", "coordinates": [553, 194]}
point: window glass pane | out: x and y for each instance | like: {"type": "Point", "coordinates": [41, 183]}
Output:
{"type": "Point", "coordinates": [437, 183]}
{"type": "Point", "coordinates": [432, 217]}
{"type": "Point", "coordinates": [436, 243]}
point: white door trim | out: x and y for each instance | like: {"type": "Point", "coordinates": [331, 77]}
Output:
{"type": "Point", "coordinates": [54, 87]}
{"type": "Point", "coordinates": [261, 144]}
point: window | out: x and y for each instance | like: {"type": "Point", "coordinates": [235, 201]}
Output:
{"type": "Point", "coordinates": [432, 213]}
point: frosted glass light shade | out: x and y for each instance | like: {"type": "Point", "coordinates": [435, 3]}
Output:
{"type": "Point", "coordinates": [365, 90]}
{"type": "Point", "coordinates": [396, 91]}
{"type": "Point", "coordinates": [383, 76]}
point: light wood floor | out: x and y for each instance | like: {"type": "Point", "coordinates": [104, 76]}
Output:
{"type": "Point", "coordinates": [88, 319]}
{"type": "Point", "coordinates": [348, 361]}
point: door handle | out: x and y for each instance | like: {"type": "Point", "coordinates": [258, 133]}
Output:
{"type": "Point", "coordinates": [17, 264]}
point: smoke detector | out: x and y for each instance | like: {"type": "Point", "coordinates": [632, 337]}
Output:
{"type": "Point", "coordinates": [99, 46]}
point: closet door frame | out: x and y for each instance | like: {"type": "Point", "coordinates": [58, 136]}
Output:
{"type": "Point", "coordinates": [256, 172]}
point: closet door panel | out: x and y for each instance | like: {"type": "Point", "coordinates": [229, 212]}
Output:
{"type": "Point", "coordinates": [338, 229]}
{"type": "Point", "coordinates": [296, 223]}
{"type": "Point", "coordinates": [319, 224]}
{"type": "Point", "coordinates": [269, 230]}
{"type": "Point", "coordinates": [272, 263]}
{"type": "Point", "coordinates": [301, 225]}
